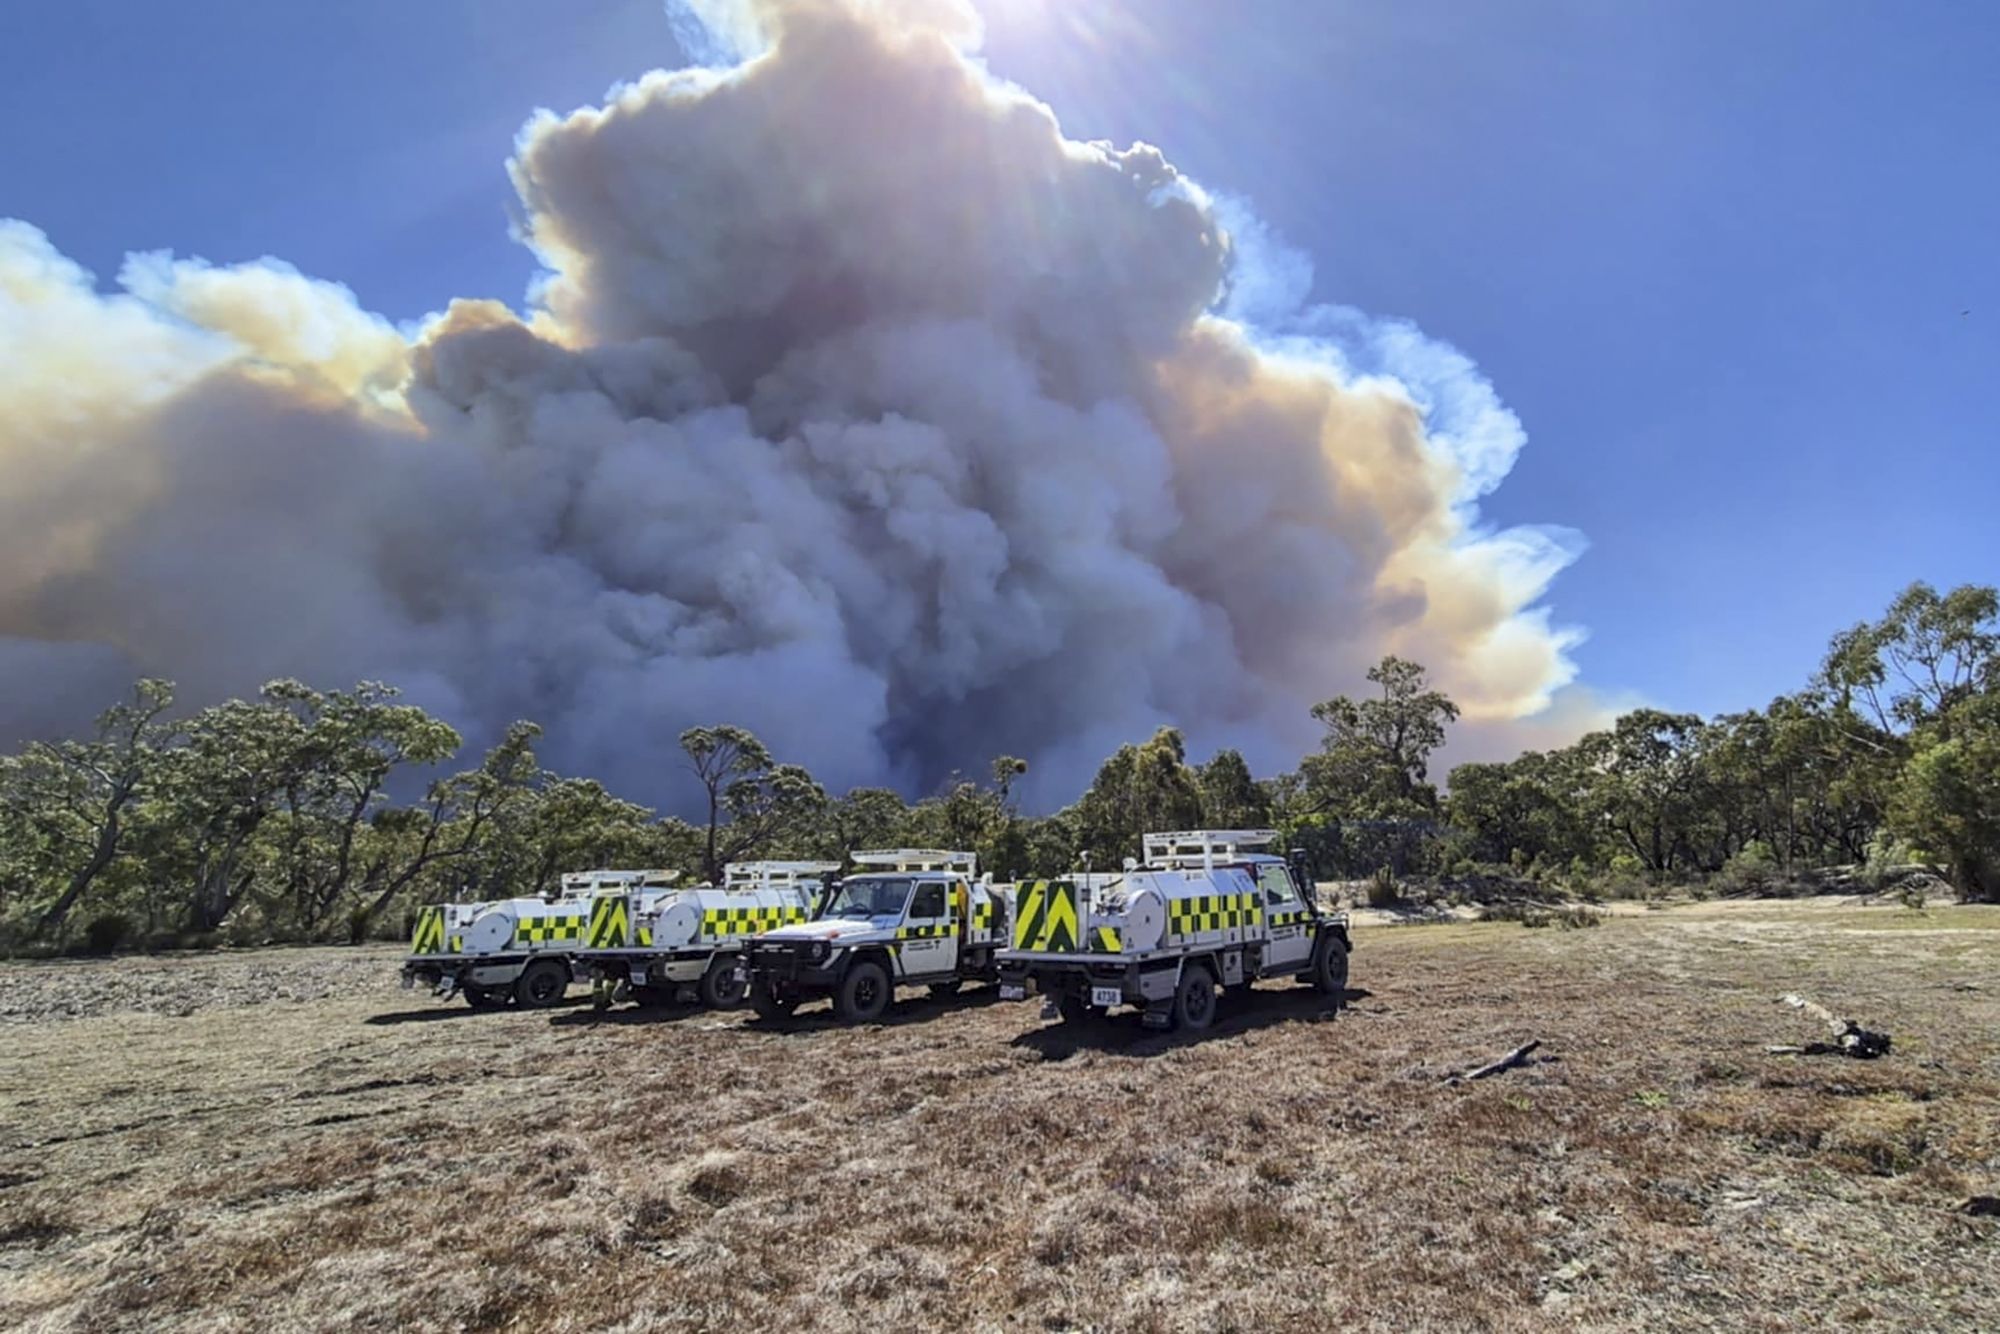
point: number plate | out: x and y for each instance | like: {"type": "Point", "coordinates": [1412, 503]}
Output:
{"type": "Point", "coordinates": [1008, 992]}
{"type": "Point", "coordinates": [1106, 997]}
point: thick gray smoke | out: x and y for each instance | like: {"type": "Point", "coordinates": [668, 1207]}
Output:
{"type": "Point", "coordinates": [857, 405]}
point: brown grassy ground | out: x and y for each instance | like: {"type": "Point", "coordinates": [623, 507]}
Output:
{"type": "Point", "coordinates": [352, 1155]}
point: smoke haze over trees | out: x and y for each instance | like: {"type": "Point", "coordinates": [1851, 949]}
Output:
{"type": "Point", "coordinates": [273, 818]}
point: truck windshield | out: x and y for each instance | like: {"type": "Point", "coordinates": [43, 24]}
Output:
{"type": "Point", "coordinates": [870, 896]}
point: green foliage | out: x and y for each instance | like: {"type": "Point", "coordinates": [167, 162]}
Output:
{"type": "Point", "coordinates": [1373, 762]}
{"type": "Point", "coordinates": [1230, 797]}
{"type": "Point", "coordinates": [1139, 789]}
{"type": "Point", "coordinates": [1949, 797]}
{"type": "Point", "coordinates": [1888, 860]}
{"type": "Point", "coordinates": [1925, 681]}
{"type": "Point", "coordinates": [1753, 870]}
{"type": "Point", "coordinates": [328, 815]}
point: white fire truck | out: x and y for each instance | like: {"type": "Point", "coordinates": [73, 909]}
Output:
{"type": "Point", "coordinates": [517, 950]}
{"type": "Point", "coordinates": [1204, 908]}
{"type": "Point", "coordinates": [906, 917]}
{"type": "Point", "coordinates": [648, 945]}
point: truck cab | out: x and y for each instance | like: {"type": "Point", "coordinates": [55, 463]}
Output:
{"type": "Point", "coordinates": [905, 917]}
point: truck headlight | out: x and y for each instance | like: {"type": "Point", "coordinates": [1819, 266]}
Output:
{"type": "Point", "coordinates": [819, 952]}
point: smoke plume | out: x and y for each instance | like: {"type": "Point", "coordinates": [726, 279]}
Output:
{"type": "Point", "coordinates": [856, 404]}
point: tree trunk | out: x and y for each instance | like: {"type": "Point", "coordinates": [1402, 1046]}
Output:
{"type": "Point", "coordinates": [710, 871]}
{"type": "Point", "coordinates": [100, 857]}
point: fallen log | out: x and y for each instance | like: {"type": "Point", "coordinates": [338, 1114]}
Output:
{"type": "Point", "coordinates": [1849, 1038]}
{"type": "Point", "coordinates": [1518, 1056]}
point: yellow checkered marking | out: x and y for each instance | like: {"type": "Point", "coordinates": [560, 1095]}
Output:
{"type": "Point", "coordinates": [1210, 912]}
{"type": "Point", "coordinates": [929, 931]}
{"type": "Point", "coordinates": [1291, 917]}
{"type": "Point", "coordinates": [555, 930]}
{"type": "Point", "coordinates": [610, 923]}
{"type": "Point", "coordinates": [722, 923]}
{"type": "Point", "coordinates": [982, 917]}
{"type": "Point", "coordinates": [428, 938]}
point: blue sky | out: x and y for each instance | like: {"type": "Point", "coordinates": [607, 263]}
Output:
{"type": "Point", "coordinates": [1715, 255]}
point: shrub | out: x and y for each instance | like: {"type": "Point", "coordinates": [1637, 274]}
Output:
{"type": "Point", "coordinates": [1382, 889]}
{"type": "Point", "coordinates": [1535, 917]}
{"type": "Point", "coordinates": [1887, 861]}
{"type": "Point", "coordinates": [105, 932]}
{"type": "Point", "coordinates": [1753, 870]}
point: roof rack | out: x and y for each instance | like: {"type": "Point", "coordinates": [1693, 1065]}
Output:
{"type": "Point", "coordinates": [1205, 847]}
{"type": "Point", "coordinates": [775, 873]}
{"type": "Point", "coordinates": [623, 879]}
{"type": "Point", "coordinates": [917, 859]}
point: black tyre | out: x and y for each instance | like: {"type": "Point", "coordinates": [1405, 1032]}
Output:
{"type": "Point", "coordinates": [1071, 1009]}
{"type": "Point", "coordinates": [863, 994]}
{"type": "Point", "coordinates": [479, 998]}
{"type": "Point", "coordinates": [1194, 1003]}
{"type": "Point", "coordinates": [768, 1004]}
{"type": "Point", "coordinates": [723, 986]}
{"type": "Point", "coordinates": [541, 984]}
{"type": "Point", "coordinates": [1329, 970]}
{"type": "Point", "coordinates": [946, 990]}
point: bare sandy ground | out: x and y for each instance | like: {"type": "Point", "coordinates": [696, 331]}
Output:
{"type": "Point", "coordinates": [282, 1139]}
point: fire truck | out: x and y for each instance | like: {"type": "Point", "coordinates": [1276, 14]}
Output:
{"type": "Point", "coordinates": [515, 950]}
{"type": "Point", "coordinates": [907, 917]}
{"type": "Point", "coordinates": [1204, 909]}
{"type": "Point", "coordinates": [652, 945]}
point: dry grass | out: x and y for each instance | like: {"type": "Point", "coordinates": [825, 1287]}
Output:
{"type": "Point", "coordinates": [369, 1160]}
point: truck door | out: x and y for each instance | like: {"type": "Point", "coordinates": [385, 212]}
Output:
{"type": "Point", "coordinates": [1289, 944]}
{"type": "Point", "coordinates": [927, 941]}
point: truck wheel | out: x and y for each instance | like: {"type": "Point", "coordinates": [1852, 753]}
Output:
{"type": "Point", "coordinates": [1329, 971]}
{"type": "Point", "coordinates": [1194, 1003]}
{"type": "Point", "coordinates": [945, 990]}
{"type": "Point", "coordinates": [1070, 1008]}
{"type": "Point", "coordinates": [863, 994]}
{"type": "Point", "coordinates": [479, 998]}
{"type": "Point", "coordinates": [768, 1004]}
{"type": "Point", "coordinates": [723, 986]}
{"type": "Point", "coordinates": [541, 984]}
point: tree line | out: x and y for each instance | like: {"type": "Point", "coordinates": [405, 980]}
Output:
{"type": "Point", "coordinates": [280, 818]}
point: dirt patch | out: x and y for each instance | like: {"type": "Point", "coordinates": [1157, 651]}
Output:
{"type": "Point", "coordinates": [188, 984]}
{"type": "Point", "coordinates": [363, 1157]}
